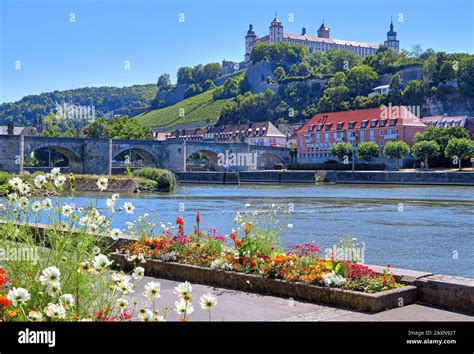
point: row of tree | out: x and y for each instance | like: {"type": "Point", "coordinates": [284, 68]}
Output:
{"type": "Point", "coordinates": [451, 143]}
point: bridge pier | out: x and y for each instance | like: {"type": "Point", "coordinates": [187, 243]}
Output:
{"type": "Point", "coordinates": [11, 153]}
{"type": "Point", "coordinates": [97, 156]}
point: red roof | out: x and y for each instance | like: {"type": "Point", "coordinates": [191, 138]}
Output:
{"type": "Point", "coordinates": [334, 121]}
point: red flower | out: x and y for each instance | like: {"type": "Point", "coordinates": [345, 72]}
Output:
{"type": "Point", "coordinates": [179, 221]}
{"type": "Point", "coordinates": [238, 243]}
{"type": "Point", "coordinates": [147, 241]}
{"type": "Point", "coordinates": [233, 235]}
{"type": "Point", "coordinates": [198, 218]}
{"type": "Point", "coordinates": [3, 276]}
{"type": "Point", "coordinates": [4, 301]}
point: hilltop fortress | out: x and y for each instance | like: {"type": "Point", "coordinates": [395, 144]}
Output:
{"type": "Point", "coordinates": [322, 42]}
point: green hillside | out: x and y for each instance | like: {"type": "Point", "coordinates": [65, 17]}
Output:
{"type": "Point", "coordinates": [198, 108]}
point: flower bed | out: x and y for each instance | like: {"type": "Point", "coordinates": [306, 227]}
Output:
{"type": "Point", "coordinates": [255, 261]}
{"type": "Point", "coordinates": [373, 302]}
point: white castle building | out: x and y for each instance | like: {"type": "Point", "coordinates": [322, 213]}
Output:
{"type": "Point", "coordinates": [322, 42]}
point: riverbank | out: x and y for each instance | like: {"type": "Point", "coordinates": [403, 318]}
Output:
{"type": "Point", "coordinates": [458, 178]}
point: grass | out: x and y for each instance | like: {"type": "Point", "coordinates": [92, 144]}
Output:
{"type": "Point", "coordinates": [199, 108]}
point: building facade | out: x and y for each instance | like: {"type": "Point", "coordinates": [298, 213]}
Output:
{"type": "Point", "coordinates": [315, 137]}
{"type": "Point", "coordinates": [322, 42]}
{"type": "Point", "coordinates": [454, 121]}
{"type": "Point", "coordinates": [256, 133]}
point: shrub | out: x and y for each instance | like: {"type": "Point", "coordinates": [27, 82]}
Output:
{"type": "Point", "coordinates": [166, 180]}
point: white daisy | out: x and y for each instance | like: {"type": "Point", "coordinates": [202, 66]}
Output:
{"type": "Point", "coordinates": [208, 301]}
{"type": "Point", "coordinates": [115, 197]}
{"type": "Point", "coordinates": [36, 206]}
{"type": "Point", "coordinates": [35, 316]}
{"type": "Point", "coordinates": [145, 315]}
{"type": "Point", "coordinates": [128, 207]}
{"type": "Point", "coordinates": [18, 296]}
{"type": "Point", "coordinates": [100, 262]}
{"type": "Point", "coordinates": [184, 290]}
{"type": "Point", "coordinates": [115, 234]}
{"type": "Point", "coordinates": [50, 275]}
{"type": "Point", "coordinates": [47, 204]}
{"type": "Point", "coordinates": [152, 290]}
{"type": "Point", "coordinates": [183, 307]}
{"type": "Point", "coordinates": [55, 311]}
{"type": "Point", "coordinates": [110, 205]}
{"type": "Point", "coordinates": [138, 273]}
{"type": "Point", "coordinates": [102, 183]}
{"type": "Point", "coordinates": [67, 300]}
{"type": "Point", "coordinates": [122, 304]}
{"type": "Point", "coordinates": [59, 181]}
{"type": "Point", "coordinates": [67, 210]}
{"type": "Point", "coordinates": [39, 181]}
{"type": "Point", "coordinates": [15, 183]}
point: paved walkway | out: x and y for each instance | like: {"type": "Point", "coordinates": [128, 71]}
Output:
{"type": "Point", "coordinates": [241, 306]}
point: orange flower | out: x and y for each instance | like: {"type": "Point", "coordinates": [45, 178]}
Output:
{"type": "Point", "coordinates": [4, 301]}
{"type": "Point", "coordinates": [247, 228]}
{"type": "Point", "coordinates": [233, 235]}
{"type": "Point", "coordinates": [238, 242]}
{"type": "Point", "coordinates": [11, 313]}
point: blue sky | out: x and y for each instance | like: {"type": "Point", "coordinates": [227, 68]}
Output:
{"type": "Point", "coordinates": [57, 54]}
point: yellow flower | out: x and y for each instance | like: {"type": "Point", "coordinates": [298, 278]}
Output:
{"type": "Point", "coordinates": [11, 313]}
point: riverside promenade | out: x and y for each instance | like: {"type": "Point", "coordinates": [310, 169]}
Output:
{"type": "Point", "coordinates": [233, 305]}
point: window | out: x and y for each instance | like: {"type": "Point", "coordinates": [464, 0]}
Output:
{"type": "Point", "coordinates": [352, 125]}
{"type": "Point", "coordinates": [373, 123]}
{"type": "Point", "coordinates": [362, 135]}
{"type": "Point", "coordinates": [372, 135]}
{"type": "Point", "coordinates": [381, 143]}
{"type": "Point", "coordinates": [311, 128]}
{"type": "Point", "coordinates": [339, 126]}
{"type": "Point", "coordinates": [328, 126]}
{"type": "Point", "coordinates": [392, 122]}
{"type": "Point", "coordinates": [326, 137]}
{"type": "Point", "coordinates": [363, 124]}
{"type": "Point", "coordinates": [320, 126]}
{"type": "Point", "coordinates": [381, 132]}
{"type": "Point", "coordinates": [318, 138]}
{"type": "Point", "coordinates": [383, 122]}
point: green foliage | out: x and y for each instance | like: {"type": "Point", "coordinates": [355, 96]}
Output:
{"type": "Point", "coordinates": [466, 76]}
{"type": "Point", "coordinates": [366, 151]}
{"type": "Point", "coordinates": [199, 108]}
{"type": "Point", "coordinates": [341, 149]}
{"type": "Point", "coordinates": [198, 74]}
{"type": "Point", "coordinates": [166, 180]}
{"type": "Point", "coordinates": [249, 107]}
{"type": "Point", "coordinates": [164, 82]}
{"type": "Point", "coordinates": [425, 150]}
{"type": "Point", "coordinates": [192, 90]}
{"type": "Point", "coordinates": [337, 166]}
{"type": "Point", "coordinates": [361, 79]}
{"type": "Point", "coordinates": [441, 135]}
{"type": "Point", "coordinates": [279, 73]}
{"type": "Point", "coordinates": [459, 149]}
{"type": "Point", "coordinates": [116, 128]}
{"type": "Point", "coordinates": [123, 100]}
{"type": "Point", "coordinates": [413, 94]}
{"type": "Point", "coordinates": [280, 51]}
{"type": "Point", "coordinates": [396, 150]}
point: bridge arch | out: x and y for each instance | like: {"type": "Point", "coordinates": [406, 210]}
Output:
{"type": "Point", "coordinates": [203, 159]}
{"type": "Point", "coordinates": [268, 160]}
{"type": "Point", "coordinates": [135, 157]}
{"type": "Point", "coordinates": [38, 157]}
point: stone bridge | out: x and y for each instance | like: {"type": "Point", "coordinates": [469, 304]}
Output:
{"type": "Point", "coordinates": [96, 156]}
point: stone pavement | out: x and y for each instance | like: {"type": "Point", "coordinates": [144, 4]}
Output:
{"type": "Point", "coordinates": [233, 305]}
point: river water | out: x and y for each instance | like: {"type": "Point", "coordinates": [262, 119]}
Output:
{"type": "Point", "coordinates": [427, 228]}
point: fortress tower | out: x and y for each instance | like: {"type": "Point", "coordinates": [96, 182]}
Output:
{"type": "Point", "coordinates": [392, 41]}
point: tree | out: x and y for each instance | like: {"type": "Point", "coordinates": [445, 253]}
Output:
{"type": "Point", "coordinates": [425, 150]}
{"type": "Point", "coordinates": [185, 75]}
{"type": "Point", "coordinates": [446, 71]}
{"type": "Point", "coordinates": [361, 79]}
{"type": "Point", "coordinates": [164, 82]}
{"type": "Point", "coordinates": [459, 149]}
{"type": "Point", "coordinates": [396, 150]}
{"type": "Point", "coordinates": [279, 73]}
{"type": "Point", "coordinates": [395, 82]}
{"type": "Point", "coordinates": [207, 85]}
{"type": "Point", "coordinates": [341, 150]}
{"type": "Point", "coordinates": [466, 76]}
{"type": "Point", "coordinates": [366, 151]}
{"type": "Point", "coordinates": [116, 128]}
{"type": "Point", "coordinates": [413, 93]}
